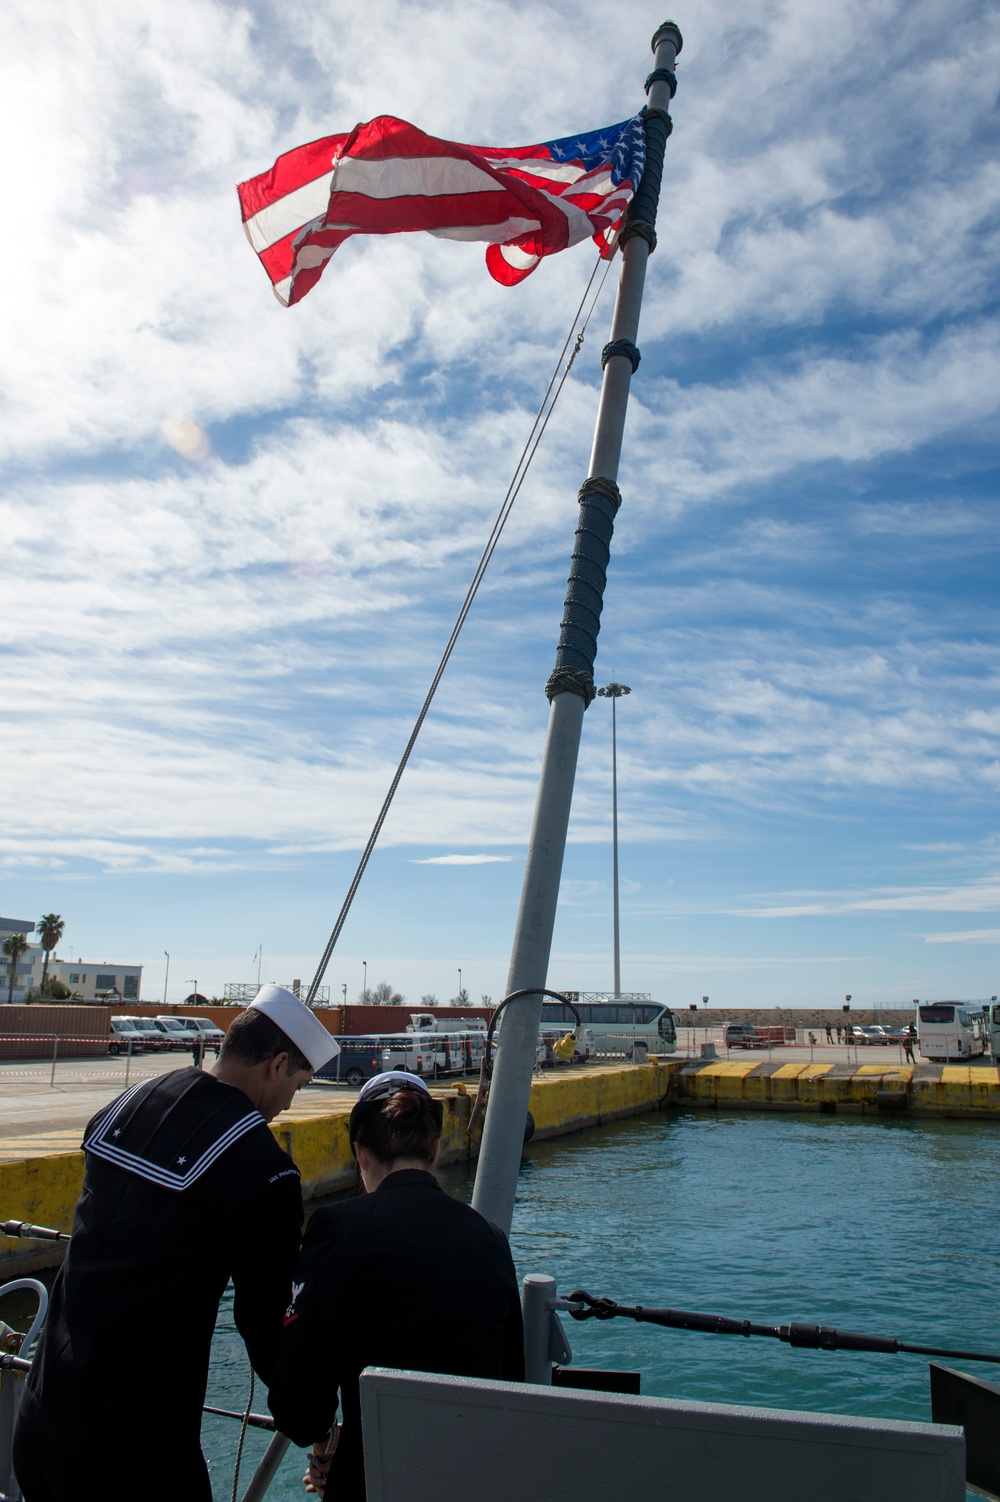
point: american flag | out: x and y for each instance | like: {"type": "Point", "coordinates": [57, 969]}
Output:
{"type": "Point", "coordinates": [385, 177]}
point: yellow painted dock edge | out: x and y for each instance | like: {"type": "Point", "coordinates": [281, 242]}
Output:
{"type": "Point", "coordinates": [963, 1092]}
{"type": "Point", "coordinates": [44, 1190]}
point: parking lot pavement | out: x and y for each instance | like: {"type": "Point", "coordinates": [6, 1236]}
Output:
{"type": "Point", "coordinates": [41, 1117]}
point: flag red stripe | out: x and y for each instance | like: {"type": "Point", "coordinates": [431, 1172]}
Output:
{"type": "Point", "coordinates": [291, 171]}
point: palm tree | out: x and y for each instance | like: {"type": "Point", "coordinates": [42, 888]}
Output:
{"type": "Point", "coordinates": [13, 946]}
{"type": "Point", "coordinates": [50, 931]}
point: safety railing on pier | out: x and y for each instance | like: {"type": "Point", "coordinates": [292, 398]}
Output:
{"type": "Point", "coordinates": [35, 1055]}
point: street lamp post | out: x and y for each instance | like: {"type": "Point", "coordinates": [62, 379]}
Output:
{"type": "Point", "coordinates": [166, 977]}
{"type": "Point", "coordinates": [614, 692]}
{"type": "Point", "coordinates": [364, 984]}
{"type": "Point", "coordinates": [459, 983]}
{"type": "Point", "coordinates": [343, 987]}
{"type": "Point", "coordinates": [195, 984]}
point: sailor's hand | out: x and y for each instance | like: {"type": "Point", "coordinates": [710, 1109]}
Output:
{"type": "Point", "coordinates": [318, 1473]}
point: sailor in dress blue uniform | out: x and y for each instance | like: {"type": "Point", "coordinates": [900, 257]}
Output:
{"type": "Point", "coordinates": [185, 1189]}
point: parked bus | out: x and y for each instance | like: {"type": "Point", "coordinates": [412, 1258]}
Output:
{"type": "Point", "coordinates": [629, 1021]}
{"type": "Point", "coordinates": [951, 1030]}
{"type": "Point", "coordinates": [991, 1012]}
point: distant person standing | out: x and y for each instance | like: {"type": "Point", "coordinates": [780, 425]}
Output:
{"type": "Point", "coordinates": [908, 1047]}
{"type": "Point", "coordinates": [838, 1032]}
{"type": "Point", "coordinates": [829, 1033]}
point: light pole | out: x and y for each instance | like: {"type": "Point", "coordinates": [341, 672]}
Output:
{"type": "Point", "coordinates": [343, 987]}
{"type": "Point", "coordinates": [364, 984]}
{"type": "Point", "coordinates": [614, 692]}
{"type": "Point", "coordinates": [195, 984]}
{"type": "Point", "coordinates": [459, 996]}
{"type": "Point", "coordinates": [166, 977]}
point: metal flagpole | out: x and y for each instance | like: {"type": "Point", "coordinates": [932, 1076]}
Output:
{"type": "Point", "coordinates": [571, 686]}
{"type": "Point", "coordinates": [614, 692]}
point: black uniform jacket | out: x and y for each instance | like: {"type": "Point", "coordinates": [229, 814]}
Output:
{"type": "Point", "coordinates": [404, 1277]}
{"type": "Point", "coordinates": [185, 1188]}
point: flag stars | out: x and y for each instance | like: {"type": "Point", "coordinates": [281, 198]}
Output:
{"type": "Point", "coordinates": [181, 1161]}
{"type": "Point", "coordinates": [117, 1132]}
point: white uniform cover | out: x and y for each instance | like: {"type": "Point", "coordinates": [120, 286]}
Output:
{"type": "Point", "coordinates": [298, 1023]}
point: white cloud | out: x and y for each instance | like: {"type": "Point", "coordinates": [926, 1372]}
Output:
{"type": "Point", "coordinates": [462, 860]}
{"type": "Point", "coordinates": [968, 897]}
{"type": "Point", "coordinates": [969, 936]}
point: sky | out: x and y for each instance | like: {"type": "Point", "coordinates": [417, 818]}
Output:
{"type": "Point", "coordinates": [235, 536]}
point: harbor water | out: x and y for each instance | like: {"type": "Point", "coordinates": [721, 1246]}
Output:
{"type": "Point", "coordinates": [886, 1227]}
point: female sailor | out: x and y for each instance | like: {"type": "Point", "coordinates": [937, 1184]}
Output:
{"type": "Point", "coordinates": [403, 1276]}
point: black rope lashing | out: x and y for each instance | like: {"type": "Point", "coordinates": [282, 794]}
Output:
{"type": "Point", "coordinates": [600, 485]}
{"type": "Point", "coordinates": [675, 34]}
{"type": "Point", "coordinates": [571, 681]}
{"type": "Point", "coordinates": [662, 75]}
{"type": "Point", "coordinates": [621, 347]}
{"type": "Point", "coordinates": [653, 112]}
{"type": "Point", "coordinates": [643, 229]}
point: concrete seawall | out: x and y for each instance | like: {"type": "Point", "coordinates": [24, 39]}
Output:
{"type": "Point", "coordinates": [44, 1188]}
{"type": "Point", "coordinates": [958, 1091]}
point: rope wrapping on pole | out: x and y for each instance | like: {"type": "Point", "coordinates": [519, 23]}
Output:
{"type": "Point", "coordinates": [621, 347]}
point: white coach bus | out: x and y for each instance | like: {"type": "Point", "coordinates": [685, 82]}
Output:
{"type": "Point", "coordinates": [951, 1030]}
{"type": "Point", "coordinates": [614, 1021]}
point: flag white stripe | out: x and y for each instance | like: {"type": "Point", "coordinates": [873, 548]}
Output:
{"type": "Point", "coordinates": [287, 214]}
{"type": "Point", "coordinates": [520, 259]}
{"type": "Point", "coordinates": [493, 233]}
{"type": "Point", "coordinates": [412, 177]}
{"type": "Point", "coordinates": [536, 166]}
{"type": "Point", "coordinates": [580, 225]}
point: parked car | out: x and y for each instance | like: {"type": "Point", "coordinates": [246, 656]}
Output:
{"type": "Point", "coordinates": [211, 1034]}
{"type": "Point", "coordinates": [147, 1035]}
{"type": "Point", "coordinates": [126, 1037]}
{"type": "Point", "coordinates": [179, 1034]}
{"type": "Point", "coordinates": [874, 1035]}
{"type": "Point", "coordinates": [744, 1035]}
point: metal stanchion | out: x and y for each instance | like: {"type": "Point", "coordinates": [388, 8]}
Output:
{"type": "Point", "coordinates": [55, 1059]}
{"type": "Point", "coordinates": [265, 1472]}
{"type": "Point", "coordinates": [128, 1058]}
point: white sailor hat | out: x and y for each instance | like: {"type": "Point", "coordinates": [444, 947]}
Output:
{"type": "Point", "coordinates": [389, 1082]}
{"type": "Point", "coordinates": [298, 1023]}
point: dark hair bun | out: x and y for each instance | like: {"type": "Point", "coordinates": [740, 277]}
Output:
{"type": "Point", "coordinates": [401, 1125]}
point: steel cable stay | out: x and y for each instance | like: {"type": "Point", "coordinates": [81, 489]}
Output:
{"type": "Point", "coordinates": [537, 432]}
{"type": "Point", "coordinates": [581, 1305]}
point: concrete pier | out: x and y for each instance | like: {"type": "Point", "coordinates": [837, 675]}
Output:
{"type": "Point", "coordinates": [41, 1171]}
{"type": "Point", "coordinates": [959, 1091]}
{"type": "Point", "coordinates": [40, 1179]}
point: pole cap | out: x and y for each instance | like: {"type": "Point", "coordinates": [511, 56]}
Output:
{"type": "Point", "coordinates": [668, 31]}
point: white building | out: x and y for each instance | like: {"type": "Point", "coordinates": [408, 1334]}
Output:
{"type": "Point", "coordinates": [87, 979]}
{"type": "Point", "coordinates": [29, 964]}
{"type": "Point", "coordinates": [95, 982]}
